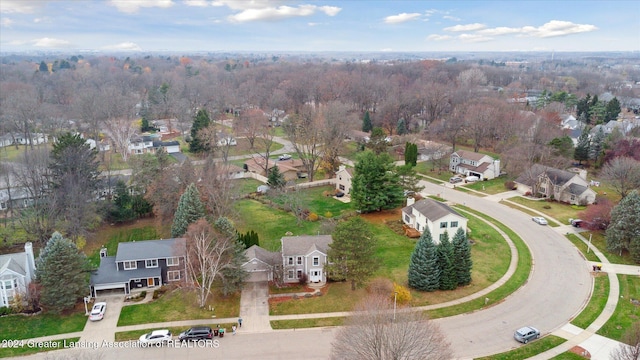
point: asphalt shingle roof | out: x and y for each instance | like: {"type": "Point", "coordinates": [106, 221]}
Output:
{"type": "Point", "coordinates": [151, 249]}
{"type": "Point", "coordinates": [302, 245]}
{"type": "Point", "coordinates": [431, 209]}
{"type": "Point", "coordinates": [107, 272]}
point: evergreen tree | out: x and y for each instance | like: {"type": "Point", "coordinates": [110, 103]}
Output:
{"type": "Point", "coordinates": [562, 146]}
{"type": "Point", "coordinates": [582, 108]}
{"type": "Point", "coordinates": [275, 178]}
{"type": "Point", "coordinates": [597, 144]}
{"type": "Point", "coordinates": [233, 274]}
{"type": "Point", "coordinates": [462, 257]}
{"type": "Point", "coordinates": [411, 154]}
{"type": "Point", "coordinates": [122, 204]}
{"type": "Point", "coordinates": [190, 209]}
{"type": "Point", "coordinates": [612, 110]}
{"type": "Point", "coordinates": [581, 152]}
{"type": "Point", "coordinates": [375, 186]}
{"type": "Point", "coordinates": [448, 276]}
{"type": "Point", "coordinates": [351, 255]}
{"type": "Point", "coordinates": [366, 122]}
{"type": "Point", "coordinates": [424, 273]}
{"type": "Point", "coordinates": [43, 67]}
{"type": "Point", "coordinates": [61, 270]}
{"type": "Point", "coordinates": [408, 178]}
{"type": "Point", "coordinates": [200, 122]}
{"type": "Point", "coordinates": [378, 141]}
{"type": "Point", "coordinates": [624, 231]}
{"type": "Point", "coordinates": [401, 128]}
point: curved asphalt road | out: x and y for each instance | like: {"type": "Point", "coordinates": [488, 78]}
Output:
{"type": "Point", "coordinates": [558, 287]}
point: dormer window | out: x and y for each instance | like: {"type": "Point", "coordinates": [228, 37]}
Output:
{"type": "Point", "coordinates": [130, 265]}
{"type": "Point", "coordinates": [151, 263]}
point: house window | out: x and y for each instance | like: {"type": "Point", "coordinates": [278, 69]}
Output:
{"type": "Point", "coordinates": [443, 225]}
{"type": "Point", "coordinates": [316, 261]}
{"type": "Point", "coordinates": [443, 236]}
{"type": "Point", "coordinates": [341, 187]}
{"type": "Point", "coordinates": [290, 275]}
{"type": "Point", "coordinates": [407, 219]}
{"type": "Point", "coordinates": [290, 260]}
{"type": "Point", "coordinates": [151, 263]}
{"type": "Point", "coordinates": [173, 261]}
{"type": "Point", "coordinates": [573, 197]}
{"type": "Point", "coordinates": [299, 260]}
{"type": "Point", "coordinates": [173, 275]}
{"type": "Point", "coordinates": [130, 265]}
{"type": "Point", "coordinates": [8, 285]}
{"type": "Point", "coordinates": [299, 274]}
{"type": "Point", "coordinates": [3, 205]}
{"type": "Point", "coordinates": [454, 224]}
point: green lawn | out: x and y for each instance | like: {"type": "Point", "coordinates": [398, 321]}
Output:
{"type": "Point", "coordinates": [551, 223]}
{"type": "Point", "coordinates": [336, 297]}
{"type": "Point", "coordinates": [317, 202]}
{"type": "Point", "coordinates": [598, 240]}
{"type": "Point", "coordinates": [529, 350]}
{"type": "Point", "coordinates": [568, 356]}
{"type": "Point", "coordinates": [494, 186]}
{"type": "Point", "coordinates": [180, 304]}
{"type": "Point", "coordinates": [626, 312]}
{"type": "Point", "coordinates": [307, 323]}
{"type": "Point", "coordinates": [425, 167]}
{"type": "Point", "coordinates": [596, 303]}
{"type": "Point", "coordinates": [560, 211]}
{"type": "Point", "coordinates": [582, 246]}
{"type": "Point", "coordinates": [244, 148]}
{"type": "Point", "coordinates": [246, 186]}
{"type": "Point", "coordinates": [270, 224]}
{"type": "Point", "coordinates": [28, 347]}
{"type": "Point", "coordinates": [27, 327]}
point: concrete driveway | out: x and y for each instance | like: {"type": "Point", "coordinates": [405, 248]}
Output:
{"type": "Point", "coordinates": [104, 329]}
{"type": "Point", "coordinates": [254, 307]}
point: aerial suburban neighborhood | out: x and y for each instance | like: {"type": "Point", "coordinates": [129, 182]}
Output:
{"type": "Point", "coordinates": [445, 203]}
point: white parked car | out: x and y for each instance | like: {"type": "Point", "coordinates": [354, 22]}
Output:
{"type": "Point", "coordinates": [540, 220]}
{"type": "Point", "coordinates": [284, 157]}
{"type": "Point", "coordinates": [156, 337]}
{"type": "Point", "coordinates": [98, 310]}
{"type": "Point", "coordinates": [472, 178]}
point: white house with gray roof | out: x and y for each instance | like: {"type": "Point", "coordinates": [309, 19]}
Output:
{"type": "Point", "coordinates": [436, 216]}
{"type": "Point", "coordinates": [469, 163]}
{"type": "Point", "coordinates": [17, 270]}
{"type": "Point", "coordinates": [305, 256]}
{"type": "Point", "coordinates": [140, 264]}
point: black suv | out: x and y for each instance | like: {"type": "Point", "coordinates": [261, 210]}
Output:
{"type": "Point", "coordinates": [196, 333]}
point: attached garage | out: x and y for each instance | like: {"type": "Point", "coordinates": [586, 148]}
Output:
{"type": "Point", "coordinates": [122, 288]}
{"type": "Point", "coordinates": [261, 263]}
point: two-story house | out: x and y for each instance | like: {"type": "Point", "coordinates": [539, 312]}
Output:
{"type": "Point", "coordinates": [305, 256]}
{"type": "Point", "coordinates": [436, 216]}
{"type": "Point", "coordinates": [140, 264]}
{"type": "Point", "coordinates": [17, 270]}
{"type": "Point", "coordinates": [556, 184]}
{"type": "Point", "coordinates": [343, 179]}
{"type": "Point", "coordinates": [469, 163]}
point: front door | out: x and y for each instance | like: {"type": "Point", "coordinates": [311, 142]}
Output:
{"type": "Point", "coordinates": [151, 282]}
{"type": "Point", "coordinates": [316, 276]}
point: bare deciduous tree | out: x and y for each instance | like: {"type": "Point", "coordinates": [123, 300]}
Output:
{"type": "Point", "coordinates": [208, 252]}
{"type": "Point", "coordinates": [305, 133]}
{"type": "Point", "coordinates": [623, 173]}
{"type": "Point", "coordinates": [372, 333]}
{"type": "Point", "coordinates": [216, 188]}
{"type": "Point", "coordinates": [630, 349]}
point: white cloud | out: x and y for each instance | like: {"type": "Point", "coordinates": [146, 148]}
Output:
{"type": "Point", "coordinates": [51, 43]}
{"type": "Point", "coordinates": [6, 22]}
{"type": "Point", "coordinates": [436, 37]}
{"type": "Point", "coordinates": [197, 3]}
{"type": "Point", "coordinates": [21, 6]}
{"type": "Point", "coordinates": [557, 28]}
{"type": "Point", "coordinates": [126, 46]}
{"type": "Point", "coordinates": [132, 6]}
{"type": "Point", "coordinates": [468, 27]}
{"type": "Point", "coordinates": [247, 4]}
{"type": "Point", "coordinates": [474, 38]}
{"type": "Point", "coordinates": [400, 18]}
{"type": "Point", "coordinates": [499, 31]}
{"type": "Point", "coordinates": [386, 50]}
{"type": "Point", "coordinates": [281, 12]}
{"type": "Point", "coordinates": [452, 18]}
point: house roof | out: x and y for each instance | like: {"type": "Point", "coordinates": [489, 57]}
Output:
{"type": "Point", "coordinates": [151, 249]}
{"type": "Point", "coordinates": [470, 155]}
{"type": "Point", "coordinates": [577, 189]}
{"type": "Point", "coordinates": [14, 262]}
{"type": "Point", "coordinates": [268, 257]}
{"type": "Point", "coordinates": [107, 272]}
{"type": "Point", "coordinates": [556, 176]}
{"type": "Point", "coordinates": [431, 209]}
{"type": "Point", "coordinates": [303, 245]}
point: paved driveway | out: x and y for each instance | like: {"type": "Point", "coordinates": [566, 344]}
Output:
{"type": "Point", "coordinates": [254, 307]}
{"type": "Point", "coordinates": [105, 328]}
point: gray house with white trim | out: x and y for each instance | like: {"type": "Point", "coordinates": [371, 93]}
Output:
{"type": "Point", "coordinates": [140, 264]}
{"type": "Point", "coordinates": [305, 255]}
{"type": "Point", "coordinates": [17, 270]}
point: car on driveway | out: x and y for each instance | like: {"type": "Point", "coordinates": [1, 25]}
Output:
{"type": "Point", "coordinates": [576, 222]}
{"type": "Point", "coordinates": [472, 179]}
{"type": "Point", "coordinates": [540, 220]}
{"type": "Point", "coordinates": [196, 333]}
{"type": "Point", "coordinates": [156, 337]}
{"type": "Point", "coordinates": [455, 180]}
{"type": "Point", "coordinates": [98, 310]}
{"type": "Point", "coordinates": [526, 333]}
{"type": "Point", "coordinates": [284, 157]}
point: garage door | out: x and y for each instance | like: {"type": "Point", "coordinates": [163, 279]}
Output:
{"type": "Point", "coordinates": [110, 288]}
{"type": "Point", "coordinates": [257, 276]}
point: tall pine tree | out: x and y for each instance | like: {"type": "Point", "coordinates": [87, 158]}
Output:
{"type": "Point", "coordinates": [424, 273]}
{"type": "Point", "coordinates": [200, 122]}
{"type": "Point", "coordinates": [448, 278]}
{"type": "Point", "coordinates": [581, 152]}
{"type": "Point", "coordinates": [61, 270]}
{"type": "Point", "coordinates": [190, 209]}
{"type": "Point", "coordinates": [233, 274]}
{"type": "Point", "coordinates": [366, 122]}
{"type": "Point", "coordinates": [462, 257]}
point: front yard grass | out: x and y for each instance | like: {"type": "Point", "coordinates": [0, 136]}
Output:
{"type": "Point", "coordinates": [552, 223]}
{"type": "Point", "coordinates": [599, 240]}
{"type": "Point", "coordinates": [493, 186]}
{"type": "Point", "coordinates": [529, 350]}
{"type": "Point", "coordinates": [596, 303]}
{"type": "Point", "coordinates": [307, 323]}
{"type": "Point", "coordinates": [246, 186]}
{"type": "Point", "coordinates": [244, 148]}
{"type": "Point", "coordinates": [626, 312]}
{"type": "Point", "coordinates": [560, 211]}
{"type": "Point", "coordinates": [15, 327]}
{"type": "Point", "coordinates": [582, 246]}
{"type": "Point", "coordinates": [337, 296]}
{"type": "Point", "coordinates": [28, 347]}
{"type": "Point", "coordinates": [180, 304]}
{"type": "Point", "coordinates": [317, 202]}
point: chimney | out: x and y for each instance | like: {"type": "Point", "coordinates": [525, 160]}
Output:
{"type": "Point", "coordinates": [410, 201]}
{"type": "Point", "coordinates": [103, 252]}
{"type": "Point", "coordinates": [31, 262]}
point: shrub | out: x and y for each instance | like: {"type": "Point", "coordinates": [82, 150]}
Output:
{"type": "Point", "coordinates": [328, 214]}
{"type": "Point", "coordinates": [303, 279]}
{"type": "Point", "coordinates": [313, 217]}
{"type": "Point", "coordinates": [143, 294]}
{"type": "Point", "coordinates": [510, 185]}
{"type": "Point", "coordinates": [547, 207]}
{"type": "Point", "coordinates": [380, 286]}
{"type": "Point", "coordinates": [402, 294]}
{"type": "Point", "coordinates": [5, 311]}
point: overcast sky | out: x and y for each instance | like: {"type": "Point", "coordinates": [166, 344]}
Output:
{"type": "Point", "coordinates": [353, 25]}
